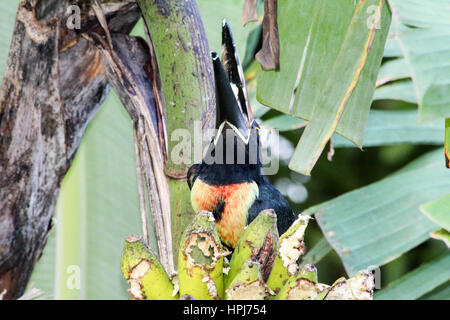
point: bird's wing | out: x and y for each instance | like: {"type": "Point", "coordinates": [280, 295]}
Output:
{"type": "Point", "coordinates": [270, 198]}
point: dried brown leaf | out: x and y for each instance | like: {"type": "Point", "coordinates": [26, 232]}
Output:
{"type": "Point", "coordinates": [249, 13]}
{"type": "Point", "coordinates": [269, 55]}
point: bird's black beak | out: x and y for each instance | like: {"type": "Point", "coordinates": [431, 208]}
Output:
{"type": "Point", "coordinates": [228, 111]}
{"type": "Point", "coordinates": [232, 107]}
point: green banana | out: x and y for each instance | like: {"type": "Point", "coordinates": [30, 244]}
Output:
{"type": "Point", "coordinates": [248, 284]}
{"type": "Point", "coordinates": [256, 271]}
{"type": "Point", "coordinates": [303, 286]}
{"type": "Point", "coordinates": [147, 277]}
{"type": "Point", "coordinates": [308, 272]}
{"type": "Point", "coordinates": [291, 248]}
{"type": "Point", "coordinates": [200, 259]}
{"type": "Point", "coordinates": [260, 241]}
{"type": "Point", "coordinates": [359, 287]}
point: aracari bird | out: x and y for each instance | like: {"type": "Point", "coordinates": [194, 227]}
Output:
{"type": "Point", "coordinates": [229, 181]}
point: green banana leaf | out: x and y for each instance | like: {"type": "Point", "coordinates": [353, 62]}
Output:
{"type": "Point", "coordinates": [284, 122]}
{"type": "Point", "coordinates": [403, 90]}
{"type": "Point", "coordinates": [422, 29]}
{"type": "Point", "coordinates": [212, 13]}
{"type": "Point", "coordinates": [440, 293]}
{"type": "Point", "coordinates": [388, 85]}
{"type": "Point", "coordinates": [442, 235]}
{"type": "Point", "coordinates": [393, 70]}
{"type": "Point", "coordinates": [383, 128]}
{"type": "Point", "coordinates": [392, 49]}
{"type": "Point", "coordinates": [316, 253]}
{"type": "Point", "coordinates": [438, 211]}
{"type": "Point", "coordinates": [418, 282]}
{"type": "Point", "coordinates": [330, 55]}
{"type": "Point", "coordinates": [377, 223]}
{"type": "Point", "coordinates": [8, 11]}
{"type": "Point", "coordinates": [396, 127]}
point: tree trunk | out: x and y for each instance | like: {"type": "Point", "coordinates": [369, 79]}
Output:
{"type": "Point", "coordinates": [53, 85]}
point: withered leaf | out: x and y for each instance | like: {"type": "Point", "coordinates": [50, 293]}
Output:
{"type": "Point", "coordinates": [249, 13]}
{"type": "Point", "coordinates": [269, 55]}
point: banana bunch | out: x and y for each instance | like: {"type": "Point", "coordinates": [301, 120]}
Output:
{"type": "Point", "coordinates": [263, 265]}
{"type": "Point", "coordinates": [145, 274]}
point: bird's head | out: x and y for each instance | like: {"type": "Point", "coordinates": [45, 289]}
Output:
{"type": "Point", "coordinates": [236, 139]}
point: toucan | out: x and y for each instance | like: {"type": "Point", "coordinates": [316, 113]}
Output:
{"type": "Point", "coordinates": [229, 181]}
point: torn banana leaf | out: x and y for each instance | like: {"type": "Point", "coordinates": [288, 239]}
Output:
{"type": "Point", "coordinates": [393, 70]}
{"type": "Point", "coordinates": [395, 127]}
{"type": "Point", "coordinates": [418, 282]}
{"type": "Point", "coordinates": [440, 293]}
{"type": "Point", "coordinates": [438, 211]}
{"type": "Point", "coordinates": [392, 49]}
{"type": "Point", "coordinates": [401, 90]}
{"type": "Point", "coordinates": [330, 55]}
{"type": "Point", "coordinates": [284, 122]}
{"type": "Point", "coordinates": [442, 235]}
{"type": "Point", "coordinates": [422, 29]}
{"type": "Point", "coordinates": [377, 223]}
{"type": "Point", "coordinates": [384, 127]}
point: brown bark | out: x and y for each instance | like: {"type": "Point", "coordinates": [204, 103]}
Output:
{"type": "Point", "coordinates": [130, 71]}
{"type": "Point", "coordinates": [53, 85]}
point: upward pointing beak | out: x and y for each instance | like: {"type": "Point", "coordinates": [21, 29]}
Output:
{"type": "Point", "coordinates": [233, 69]}
{"type": "Point", "coordinates": [227, 107]}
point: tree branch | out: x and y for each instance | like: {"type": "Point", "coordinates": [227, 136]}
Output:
{"type": "Point", "coordinates": [53, 85]}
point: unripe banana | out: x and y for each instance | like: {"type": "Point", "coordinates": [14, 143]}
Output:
{"type": "Point", "coordinates": [308, 272]}
{"type": "Point", "coordinates": [248, 283]}
{"type": "Point", "coordinates": [147, 277]}
{"type": "Point", "coordinates": [260, 241]}
{"type": "Point", "coordinates": [200, 259]}
{"type": "Point", "coordinates": [359, 287]}
{"type": "Point", "coordinates": [291, 248]}
{"type": "Point", "coordinates": [303, 286]}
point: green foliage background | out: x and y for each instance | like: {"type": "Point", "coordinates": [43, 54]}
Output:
{"type": "Point", "coordinates": [98, 206]}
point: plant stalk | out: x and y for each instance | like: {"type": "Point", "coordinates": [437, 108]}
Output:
{"type": "Point", "coordinates": [187, 92]}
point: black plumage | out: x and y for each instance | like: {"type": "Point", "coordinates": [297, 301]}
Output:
{"type": "Point", "coordinates": [231, 168]}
